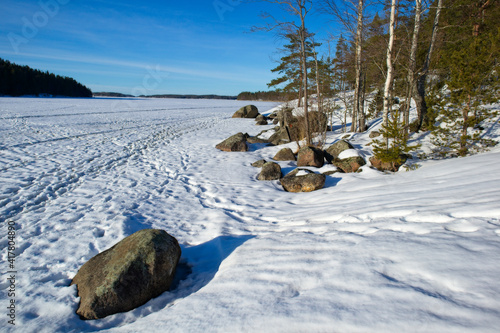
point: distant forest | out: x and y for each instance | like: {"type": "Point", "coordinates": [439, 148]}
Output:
{"type": "Point", "coordinates": [18, 80]}
{"type": "Point", "coordinates": [277, 96]}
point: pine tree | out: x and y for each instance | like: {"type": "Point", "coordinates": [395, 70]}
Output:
{"type": "Point", "coordinates": [472, 67]}
{"type": "Point", "coordinates": [394, 148]}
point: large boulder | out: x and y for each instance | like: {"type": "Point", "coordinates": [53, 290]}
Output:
{"type": "Point", "coordinates": [292, 132]}
{"type": "Point", "coordinates": [249, 111]}
{"type": "Point", "coordinates": [285, 154]}
{"type": "Point", "coordinates": [302, 180]}
{"type": "Point", "coordinates": [310, 156]}
{"type": "Point", "coordinates": [388, 166]}
{"type": "Point", "coordinates": [237, 142]}
{"type": "Point", "coordinates": [350, 164]}
{"type": "Point", "coordinates": [135, 270]}
{"type": "Point", "coordinates": [334, 150]}
{"type": "Point", "coordinates": [279, 137]}
{"type": "Point", "coordinates": [270, 171]}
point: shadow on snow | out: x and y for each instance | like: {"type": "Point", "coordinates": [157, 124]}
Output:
{"type": "Point", "coordinates": [197, 267]}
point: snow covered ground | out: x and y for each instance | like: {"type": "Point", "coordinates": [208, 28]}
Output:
{"type": "Point", "coordinates": [415, 251]}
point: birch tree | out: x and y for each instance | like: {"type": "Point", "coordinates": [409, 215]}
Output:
{"type": "Point", "coordinates": [419, 84]}
{"type": "Point", "coordinates": [351, 16]}
{"type": "Point", "coordinates": [412, 63]}
{"type": "Point", "coordinates": [390, 66]}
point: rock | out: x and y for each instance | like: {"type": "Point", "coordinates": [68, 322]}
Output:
{"type": "Point", "coordinates": [249, 111]}
{"type": "Point", "coordinates": [333, 152]}
{"type": "Point", "coordinates": [285, 117]}
{"type": "Point", "coordinates": [260, 117]}
{"type": "Point", "coordinates": [350, 164]}
{"type": "Point", "coordinates": [261, 122]}
{"type": "Point", "coordinates": [135, 270]}
{"type": "Point", "coordinates": [310, 156]}
{"type": "Point", "coordinates": [256, 139]}
{"type": "Point", "coordinates": [374, 134]}
{"type": "Point", "coordinates": [317, 121]}
{"type": "Point", "coordinates": [388, 166]}
{"type": "Point", "coordinates": [270, 171]}
{"type": "Point", "coordinates": [279, 137]}
{"type": "Point", "coordinates": [302, 180]}
{"type": "Point", "coordinates": [285, 154]}
{"type": "Point", "coordinates": [237, 142]}
{"type": "Point", "coordinates": [273, 115]}
{"type": "Point", "coordinates": [286, 134]}
{"type": "Point", "coordinates": [259, 163]}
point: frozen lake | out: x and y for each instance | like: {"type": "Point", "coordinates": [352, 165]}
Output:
{"type": "Point", "coordinates": [415, 251]}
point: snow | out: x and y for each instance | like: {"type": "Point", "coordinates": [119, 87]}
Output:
{"type": "Point", "coordinates": [413, 251]}
{"type": "Point", "coordinates": [348, 153]}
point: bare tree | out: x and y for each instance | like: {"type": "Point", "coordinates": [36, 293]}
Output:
{"type": "Point", "coordinates": [419, 84]}
{"type": "Point", "coordinates": [351, 17]}
{"type": "Point", "coordinates": [300, 9]}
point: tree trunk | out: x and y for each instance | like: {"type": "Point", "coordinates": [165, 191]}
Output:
{"type": "Point", "coordinates": [299, 103]}
{"type": "Point", "coordinates": [413, 64]}
{"type": "Point", "coordinates": [357, 91]}
{"type": "Point", "coordinates": [420, 85]}
{"type": "Point", "coordinates": [304, 73]}
{"type": "Point", "coordinates": [390, 68]}
{"type": "Point", "coordinates": [362, 117]}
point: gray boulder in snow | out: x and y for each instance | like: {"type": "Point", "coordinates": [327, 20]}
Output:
{"type": "Point", "coordinates": [334, 150]}
{"type": "Point", "coordinates": [388, 166]}
{"type": "Point", "coordinates": [350, 164]}
{"type": "Point", "coordinates": [237, 142]}
{"type": "Point", "coordinates": [310, 156]}
{"type": "Point", "coordinates": [302, 180]}
{"type": "Point", "coordinates": [249, 111]}
{"type": "Point", "coordinates": [135, 270]}
{"type": "Point", "coordinates": [285, 154]}
{"type": "Point", "coordinates": [270, 171]}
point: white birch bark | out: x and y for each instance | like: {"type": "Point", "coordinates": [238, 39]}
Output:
{"type": "Point", "coordinates": [390, 68]}
{"type": "Point", "coordinates": [413, 61]}
{"type": "Point", "coordinates": [357, 92]}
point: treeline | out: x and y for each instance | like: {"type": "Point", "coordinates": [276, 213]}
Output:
{"type": "Point", "coordinates": [278, 96]}
{"type": "Point", "coordinates": [18, 80]}
{"type": "Point", "coordinates": [189, 96]}
{"type": "Point", "coordinates": [443, 55]}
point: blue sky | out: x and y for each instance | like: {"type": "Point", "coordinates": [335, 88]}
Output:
{"type": "Point", "coordinates": [146, 47]}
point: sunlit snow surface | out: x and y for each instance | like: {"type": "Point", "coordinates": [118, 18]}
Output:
{"type": "Point", "coordinates": [414, 251]}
